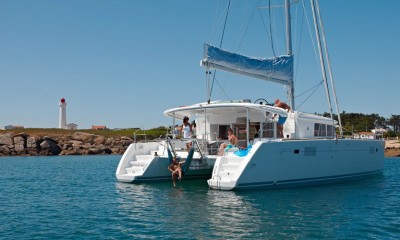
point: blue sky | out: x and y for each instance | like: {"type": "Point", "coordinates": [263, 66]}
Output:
{"type": "Point", "coordinates": [123, 63]}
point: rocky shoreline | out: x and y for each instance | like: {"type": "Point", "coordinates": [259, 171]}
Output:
{"type": "Point", "coordinates": [392, 148]}
{"type": "Point", "coordinates": [392, 152]}
{"type": "Point", "coordinates": [78, 143]}
{"type": "Point", "coordinates": [81, 143]}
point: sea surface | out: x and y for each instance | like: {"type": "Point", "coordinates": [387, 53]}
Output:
{"type": "Point", "coordinates": [78, 197]}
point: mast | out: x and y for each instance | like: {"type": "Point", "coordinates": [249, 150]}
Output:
{"type": "Point", "coordinates": [289, 51]}
{"type": "Point", "coordinates": [321, 57]}
{"type": "Point", "coordinates": [330, 71]}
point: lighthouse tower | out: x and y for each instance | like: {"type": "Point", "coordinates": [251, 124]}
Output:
{"type": "Point", "coordinates": [63, 114]}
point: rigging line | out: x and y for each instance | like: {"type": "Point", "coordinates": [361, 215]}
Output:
{"type": "Point", "coordinates": [222, 89]}
{"type": "Point", "coordinates": [298, 107]}
{"type": "Point", "coordinates": [269, 35]}
{"type": "Point", "coordinates": [309, 30]}
{"type": "Point", "coordinates": [295, 25]}
{"type": "Point", "coordinates": [226, 18]}
{"type": "Point", "coordinates": [270, 26]}
{"type": "Point", "coordinates": [220, 44]}
{"type": "Point", "coordinates": [274, 34]}
{"type": "Point", "coordinates": [245, 31]}
{"type": "Point", "coordinates": [281, 21]}
{"type": "Point", "coordinates": [315, 86]}
{"type": "Point", "coordinates": [299, 47]}
{"type": "Point", "coordinates": [242, 21]}
{"type": "Point", "coordinates": [214, 21]}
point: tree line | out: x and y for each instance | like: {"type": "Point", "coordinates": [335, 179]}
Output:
{"type": "Point", "coordinates": [359, 122]}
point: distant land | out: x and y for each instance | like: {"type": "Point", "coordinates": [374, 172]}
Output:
{"type": "Point", "coordinates": [52, 141]}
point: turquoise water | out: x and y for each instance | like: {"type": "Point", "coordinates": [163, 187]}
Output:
{"type": "Point", "coordinates": [78, 197]}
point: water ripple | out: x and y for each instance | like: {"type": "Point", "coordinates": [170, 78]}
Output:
{"type": "Point", "coordinates": [79, 198]}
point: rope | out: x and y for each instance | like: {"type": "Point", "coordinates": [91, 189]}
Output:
{"type": "Point", "coordinates": [299, 47]}
{"type": "Point", "coordinates": [309, 30]}
{"type": "Point", "coordinates": [315, 89]}
{"type": "Point", "coordinates": [270, 26]}
{"type": "Point", "coordinates": [220, 45]}
{"type": "Point", "coordinates": [317, 85]}
{"type": "Point", "coordinates": [245, 31]}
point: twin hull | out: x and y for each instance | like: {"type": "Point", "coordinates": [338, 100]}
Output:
{"type": "Point", "coordinates": [298, 163]}
{"type": "Point", "coordinates": [269, 164]}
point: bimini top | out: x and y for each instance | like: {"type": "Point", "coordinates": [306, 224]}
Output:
{"type": "Point", "coordinates": [219, 106]}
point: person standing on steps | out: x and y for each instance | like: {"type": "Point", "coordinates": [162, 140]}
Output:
{"type": "Point", "coordinates": [186, 129]}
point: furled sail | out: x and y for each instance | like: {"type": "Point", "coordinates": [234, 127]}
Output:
{"type": "Point", "coordinates": [276, 69]}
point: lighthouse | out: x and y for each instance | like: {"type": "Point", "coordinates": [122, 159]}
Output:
{"type": "Point", "coordinates": [63, 114]}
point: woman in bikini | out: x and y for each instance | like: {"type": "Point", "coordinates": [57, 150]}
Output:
{"type": "Point", "coordinates": [233, 142]}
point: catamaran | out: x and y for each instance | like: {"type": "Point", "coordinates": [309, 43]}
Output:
{"type": "Point", "coordinates": [277, 147]}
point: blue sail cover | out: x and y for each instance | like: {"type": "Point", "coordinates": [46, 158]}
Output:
{"type": "Point", "coordinates": [276, 69]}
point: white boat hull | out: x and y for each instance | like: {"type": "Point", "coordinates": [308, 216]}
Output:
{"type": "Point", "coordinates": [298, 163]}
{"type": "Point", "coordinates": [144, 162]}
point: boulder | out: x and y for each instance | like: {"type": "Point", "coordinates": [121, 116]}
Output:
{"type": "Point", "coordinates": [32, 151]}
{"type": "Point", "coordinates": [93, 151]}
{"type": "Point", "coordinates": [32, 145]}
{"type": "Point", "coordinates": [115, 150]}
{"type": "Point", "coordinates": [107, 150]}
{"type": "Point", "coordinates": [109, 142]}
{"type": "Point", "coordinates": [50, 139]}
{"type": "Point", "coordinates": [74, 144]}
{"type": "Point", "coordinates": [5, 150]}
{"type": "Point", "coordinates": [19, 149]}
{"type": "Point", "coordinates": [48, 147]}
{"type": "Point", "coordinates": [44, 145]}
{"type": "Point", "coordinates": [98, 140]}
{"type": "Point", "coordinates": [86, 146]}
{"type": "Point", "coordinates": [84, 137]}
{"type": "Point", "coordinates": [24, 135]}
{"type": "Point", "coordinates": [19, 140]}
{"type": "Point", "coordinates": [122, 150]}
{"type": "Point", "coordinates": [126, 138]}
{"type": "Point", "coordinates": [126, 143]}
{"type": "Point", "coordinates": [32, 142]}
{"type": "Point", "coordinates": [6, 139]}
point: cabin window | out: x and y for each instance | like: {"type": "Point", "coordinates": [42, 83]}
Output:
{"type": "Point", "coordinates": [317, 129]}
{"type": "Point", "coordinates": [330, 131]}
{"type": "Point", "coordinates": [323, 130]}
{"type": "Point", "coordinates": [268, 130]}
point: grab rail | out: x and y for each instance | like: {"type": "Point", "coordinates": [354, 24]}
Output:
{"type": "Point", "coordinates": [169, 145]}
{"type": "Point", "coordinates": [197, 144]}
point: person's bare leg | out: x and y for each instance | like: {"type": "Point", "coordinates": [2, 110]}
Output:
{"type": "Point", "coordinates": [173, 178]}
{"type": "Point", "coordinates": [221, 149]}
{"type": "Point", "coordinates": [180, 174]}
{"type": "Point", "coordinates": [188, 146]}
